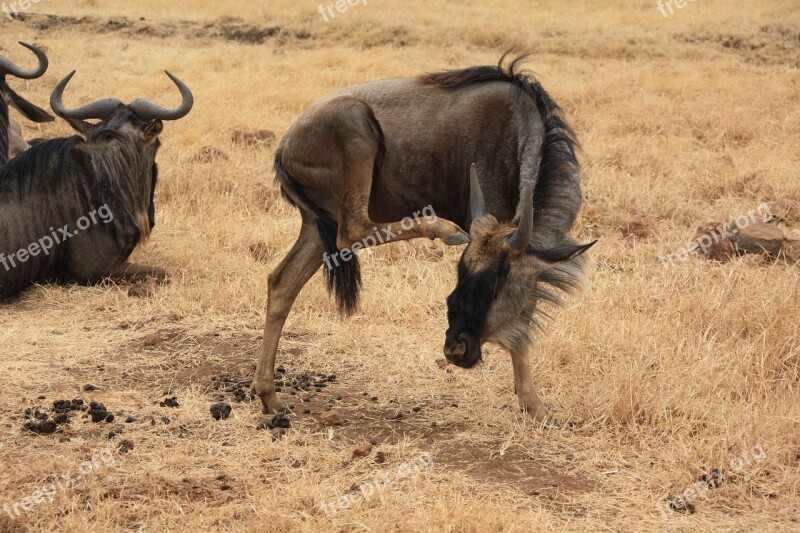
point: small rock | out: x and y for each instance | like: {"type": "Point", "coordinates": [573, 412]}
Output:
{"type": "Point", "coordinates": [170, 402]}
{"type": "Point", "coordinates": [151, 340]}
{"type": "Point", "coordinates": [260, 252]}
{"type": "Point", "coordinates": [220, 411]}
{"type": "Point", "coordinates": [757, 238]}
{"type": "Point", "coordinates": [714, 479]}
{"type": "Point", "coordinates": [380, 457]}
{"type": "Point", "coordinates": [125, 446]}
{"type": "Point", "coordinates": [89, 388]}
{"type": "Point", "coordinates": [416, 408]}
{"type": "Point", "coordinates": [791, 248]}
{"type": "Point", "coordinates": [681, 504]}
{"type": "Point", "coordinates": [641, 227]}
{"type": "Point", "coordinates": [362, 451]}
{"type": "Point", "coordinates": [712, 244]}
{"type": "Point", "coordinates": [332, 418]}
{"type": "Point", "coordinates": [252, 138]}
{"type": "Point", "coordinates": [208, 154]}
{"type": "Point", "coordinates": [130, 420]}
{"type": "Point", "coordinates": [144, 289]}
{"type": "Point", "coordinates": [442, 363]}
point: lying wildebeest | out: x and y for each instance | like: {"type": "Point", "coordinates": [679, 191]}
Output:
{"type": "Point", "coordinates": [10, 133]}
{"type": "Point", "coordinates": [74, 209]}
{"type": "Point", "coordinates": [362, 158]}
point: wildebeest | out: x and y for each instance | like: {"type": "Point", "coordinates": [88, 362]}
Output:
{"type": "Point", "coordinates": [364, 157]}
{"type": "Point", "coordinates": [12, 139]}
{"type": "Point", "coordinates": [74, 209]}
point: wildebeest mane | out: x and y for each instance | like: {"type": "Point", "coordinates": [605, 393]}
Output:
{"type": "Point", "coordinates": [556, 197]}
{"type": "Point", "coordinates": [35, 162]}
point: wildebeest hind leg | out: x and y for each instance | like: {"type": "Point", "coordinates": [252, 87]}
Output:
{"type": "Point", "coordinates": [285, 283]}
{"type": "Point", "coordinates": [355, 225]}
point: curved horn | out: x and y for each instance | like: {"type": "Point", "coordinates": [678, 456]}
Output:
{"type": "Point", "coordinates": [476, 203]}
{"type": "Point", "coordinates": [99, 109]}
{"type": "Point", "coordinates": [521, 238]}
{"type": "Point", "coordinates": [7, 67]}
{"type": "Point", "coordinates": [147, 110]}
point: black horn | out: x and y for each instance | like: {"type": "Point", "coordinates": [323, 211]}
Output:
{"type": "Point", "coordinates": [521, 238]}
{"type": "Point", "coordinates": [147, 110]}
{"type": "Point", "coordinates": [99, 109]}
{"type": "Point", "coordinates": [9, 68]}
{"type": "Point", "coordinates": [476, 202]}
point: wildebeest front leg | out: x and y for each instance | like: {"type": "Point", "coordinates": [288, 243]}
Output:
{"type": "Point", "coordinates": [285, 283]}
{"type": "Point", "coordinates": [528, 399]}
{"type": "Point", "coordinates": [131, 272]}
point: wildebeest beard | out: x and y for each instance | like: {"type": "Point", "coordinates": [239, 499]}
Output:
{"type": "Point", "coordinates": [469, 306]}
{"type": "Point", "coordinates": [132, 170]}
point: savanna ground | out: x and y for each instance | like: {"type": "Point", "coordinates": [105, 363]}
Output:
{"type": "Point", "coordinates": [659, 374]}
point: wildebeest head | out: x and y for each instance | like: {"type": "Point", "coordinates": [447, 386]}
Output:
{"type": "Point", "coordinates": [127, 135]}
{"type": "Point", "coordinates": [8, 97]}
{"type": "Point", "coordinates": [501, 277]}
{"type": "Point", "coordinates": [140, 121]}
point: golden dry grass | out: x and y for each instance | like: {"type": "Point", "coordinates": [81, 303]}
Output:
{"type": "Point", "coordinates": [665, 373]}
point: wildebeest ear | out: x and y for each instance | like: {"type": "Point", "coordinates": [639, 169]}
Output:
{"type": "Point", "coordinates": [153, 130]}
{"type": "Point", "coordinates": [28, 110]}
{"type": "Point", "coordinates": [562, 253]}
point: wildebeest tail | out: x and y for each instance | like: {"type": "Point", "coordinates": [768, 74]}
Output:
{"type": "Point", "coordinates": [343, 278]}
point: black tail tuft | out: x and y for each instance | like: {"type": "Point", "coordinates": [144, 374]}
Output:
{"type": "Point", "coordinates": [343, 278]}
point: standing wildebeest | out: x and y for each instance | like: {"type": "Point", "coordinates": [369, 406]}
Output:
{"type": "Point", "coordinates": [12, 140]}
{"type": "Point", "coordinates": [359, 160]}
{"type": "Point", "coordinates": [74, 209]}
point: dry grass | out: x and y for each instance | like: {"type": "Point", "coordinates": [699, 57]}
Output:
{"type": "Point", "coordinates": [665, 373]}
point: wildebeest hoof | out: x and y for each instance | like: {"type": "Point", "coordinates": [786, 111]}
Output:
{"type": "Point", "coordinates": [542, 416]}
{"type": "Point", "coordinates": [456, 239]}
